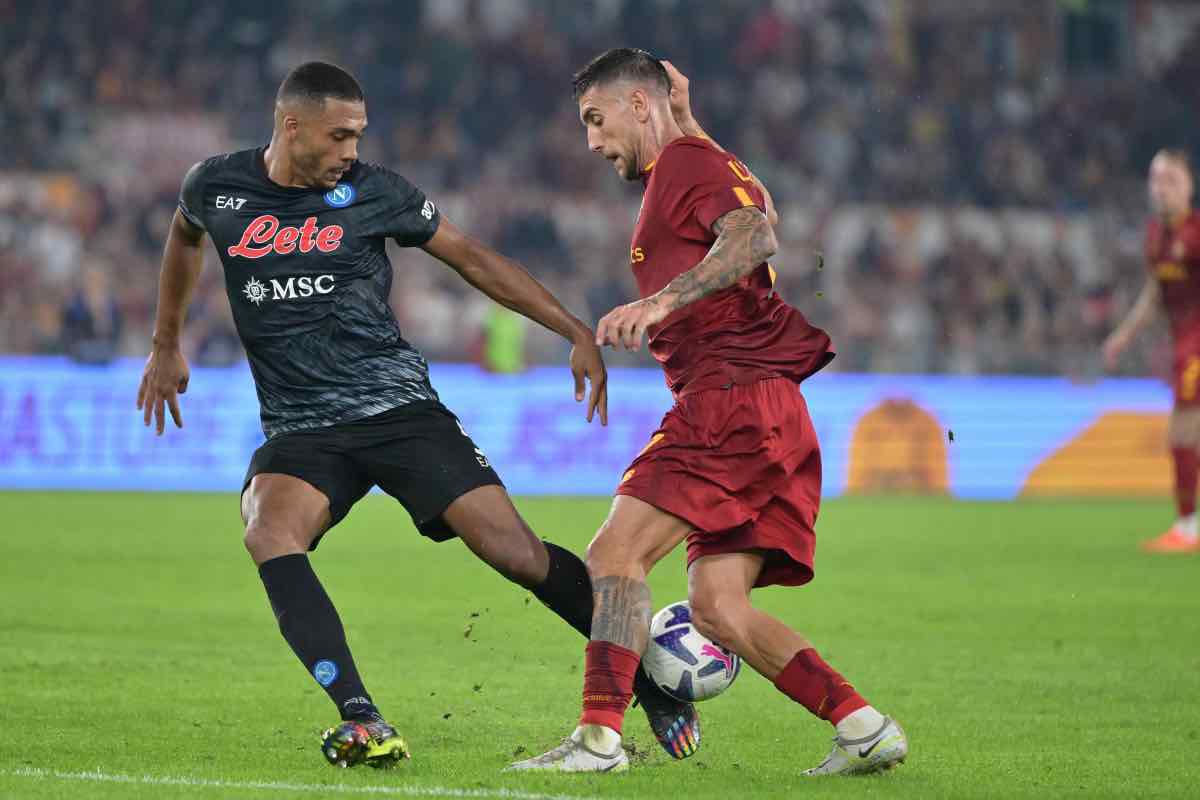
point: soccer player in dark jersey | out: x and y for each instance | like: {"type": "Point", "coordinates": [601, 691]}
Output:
{"type": "Point", "coordinates": [734, 469]}
{"type": "Point", "coordinates": [346, 402]}
{"type": "Point", "coordinates": [1173, 284]}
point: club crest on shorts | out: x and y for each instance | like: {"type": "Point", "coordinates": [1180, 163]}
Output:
{"type": "Point", "coordinates": [340, 196]}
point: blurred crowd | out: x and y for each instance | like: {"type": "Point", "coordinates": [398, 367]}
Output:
{"type": "Point", "coordinates": [961, 182]}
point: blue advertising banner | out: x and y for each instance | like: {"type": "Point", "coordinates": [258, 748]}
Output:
{"type": "Point", "coordinates": [67, 426]}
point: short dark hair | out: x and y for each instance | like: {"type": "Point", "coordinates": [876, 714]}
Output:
{"type": "Point", "coordinates": [621, 63]}
{"type": "Point", "coordinates": [314, 81]}
{"type": "Point", "coordinates": [1180, 156]}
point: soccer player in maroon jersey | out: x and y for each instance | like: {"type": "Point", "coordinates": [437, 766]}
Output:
{"type": "Point", "coordinates": [734, 469]}
{"type": "Point", "coordinates": [1173, 284]}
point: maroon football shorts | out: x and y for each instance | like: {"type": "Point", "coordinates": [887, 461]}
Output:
{"type": "Point", "coordinates": [743, 467]}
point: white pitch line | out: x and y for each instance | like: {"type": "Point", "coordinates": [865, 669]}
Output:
{"type": "Point", "coordinates": [317, 788]}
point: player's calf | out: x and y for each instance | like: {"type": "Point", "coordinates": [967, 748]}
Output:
{"type": "Point", "coordinates": [721, 619]}
{"type": "Point", "coordinates": [719, 595]}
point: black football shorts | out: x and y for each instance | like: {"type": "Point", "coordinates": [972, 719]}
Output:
{"type": "Point", "coordinates": [418, 453]}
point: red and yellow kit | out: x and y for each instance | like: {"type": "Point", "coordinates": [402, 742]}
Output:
{"type": "Point", "coordinates": [1173, 258]}
{"type": "Point", "coordinates": [736, 456]}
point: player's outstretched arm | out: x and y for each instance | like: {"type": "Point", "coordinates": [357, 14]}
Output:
{"type": "Point", "coordinates": [166, 373]}
{"type": "Point", "coordinates": [745, 239]}
{"type": "Point", "coordinates": [510, 285]}
{"type": "Point", "coordinates": [1141, 315]}
{"type": "Point", "coordinates": [681, 110]}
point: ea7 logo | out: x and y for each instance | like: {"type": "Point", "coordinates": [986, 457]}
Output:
{"type": "Point", "coordinates": [229, 201]}
{"type": "Point", "coordinates": [427, 210]}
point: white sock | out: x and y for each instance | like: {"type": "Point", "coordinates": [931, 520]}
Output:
{"type": "Point", "coordinates": [1187, 525]}
{"type": "Point", "coordinates": [599, 738]}
{"type": "Point", "coordinates": [860, 724]}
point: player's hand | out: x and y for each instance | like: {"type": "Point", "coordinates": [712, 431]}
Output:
{"type": "Point", "coordinates": [1114, 346]}
{"type": "Point", "coordinates": [625, 325]}
{"type": "Point", "coordinates": [681, 99]}
{"type": "Point", "coordinates": [587, 364]}
{"type": "Point", "coordinates": [164, 379]}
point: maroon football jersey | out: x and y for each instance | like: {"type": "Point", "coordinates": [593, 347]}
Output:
{"type": "Point", "coordinates": [737, 335]}
{"type": "Point", "coordinates": [1173, 258]}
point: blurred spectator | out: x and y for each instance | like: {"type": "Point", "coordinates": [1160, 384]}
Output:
{"type": "Point", "coordinates": [91, 320]}
{"type": "Point", "coordinates": [975, 185]}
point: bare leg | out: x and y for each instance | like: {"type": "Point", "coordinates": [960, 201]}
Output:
{"type": "Point", "coordinates": [283, 515]}
{"type": "Point", "coordinates": [719, 594]}
{"type": "Point", "coordinates": [635, 536]}
{"type": "Point", "coordinates": [490, 526]}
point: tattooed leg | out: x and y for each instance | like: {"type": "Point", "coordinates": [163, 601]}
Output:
{"type": "Point", "coordinates": [622, 612]}
{"type": "Point", "coordinates": [633, 538]}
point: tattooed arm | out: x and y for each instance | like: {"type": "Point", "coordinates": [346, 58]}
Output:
{"type": "Point", "coordinates": [745, 239]}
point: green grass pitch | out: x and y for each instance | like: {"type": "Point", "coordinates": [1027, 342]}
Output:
{"type": "Point", "coordinates": [1029, 649]}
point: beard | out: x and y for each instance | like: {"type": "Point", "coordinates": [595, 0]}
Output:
{"type": "Point", "coordinates": [308, 165]}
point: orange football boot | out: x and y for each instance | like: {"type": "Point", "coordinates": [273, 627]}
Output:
{"type": "Point", "coordinates": [1173, 541]}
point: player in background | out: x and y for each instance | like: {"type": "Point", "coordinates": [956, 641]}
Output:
{"type": "Point", "coordinates": [346, 403]}
{"type": "Point", "coordinates": [735, 468]}
{"type": "Point", "coordinates": [1173, 284]}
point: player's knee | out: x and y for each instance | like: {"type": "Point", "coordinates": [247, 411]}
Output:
{"type": "Point", "coordinates": [611, 552]}
{"type": "Point", "coordinates": [256, 538]}
{"type": "Point", "coordinates": [716, 616]}
{"type": "Point", "coordinates": [264, 541]}
{"type": "Point", "coordinates": [522, 559]}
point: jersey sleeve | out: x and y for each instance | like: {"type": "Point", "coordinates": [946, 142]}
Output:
{"type": "Point", "coordinates": [191, 196]}
{"type": "Point", "coordinates": [706, 184]}
{"type": "Point", "coordinates": [413, 218]}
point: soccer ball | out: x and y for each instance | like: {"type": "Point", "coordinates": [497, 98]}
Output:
{"type": "Point", "coordinates": [685, 664]}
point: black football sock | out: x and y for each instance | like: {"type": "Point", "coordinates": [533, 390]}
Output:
{"type": "Point", "coordinates": [567, 591]}
{"type": "Point", "coordinates": [310, 624]}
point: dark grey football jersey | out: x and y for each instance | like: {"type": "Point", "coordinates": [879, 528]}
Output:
{"type": "Point", "coordinates": [308, 280]}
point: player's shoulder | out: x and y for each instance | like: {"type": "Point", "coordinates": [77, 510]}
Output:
{"type": "Point", "coordinates": [690, 160]}
{"type": "Point", "coordinates": [376, 183]}
{"type": "Point", "coordinates": [369, 174]}
{"type": "Point", "coordinates": [689, 150]}
{"type": "Point", "coordinates": [236, 161]}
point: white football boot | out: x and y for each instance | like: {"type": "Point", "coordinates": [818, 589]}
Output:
{"type": "Point", "coordinates": [573, 755]}
{"type": "Point", "coordinates": [882, 750]}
